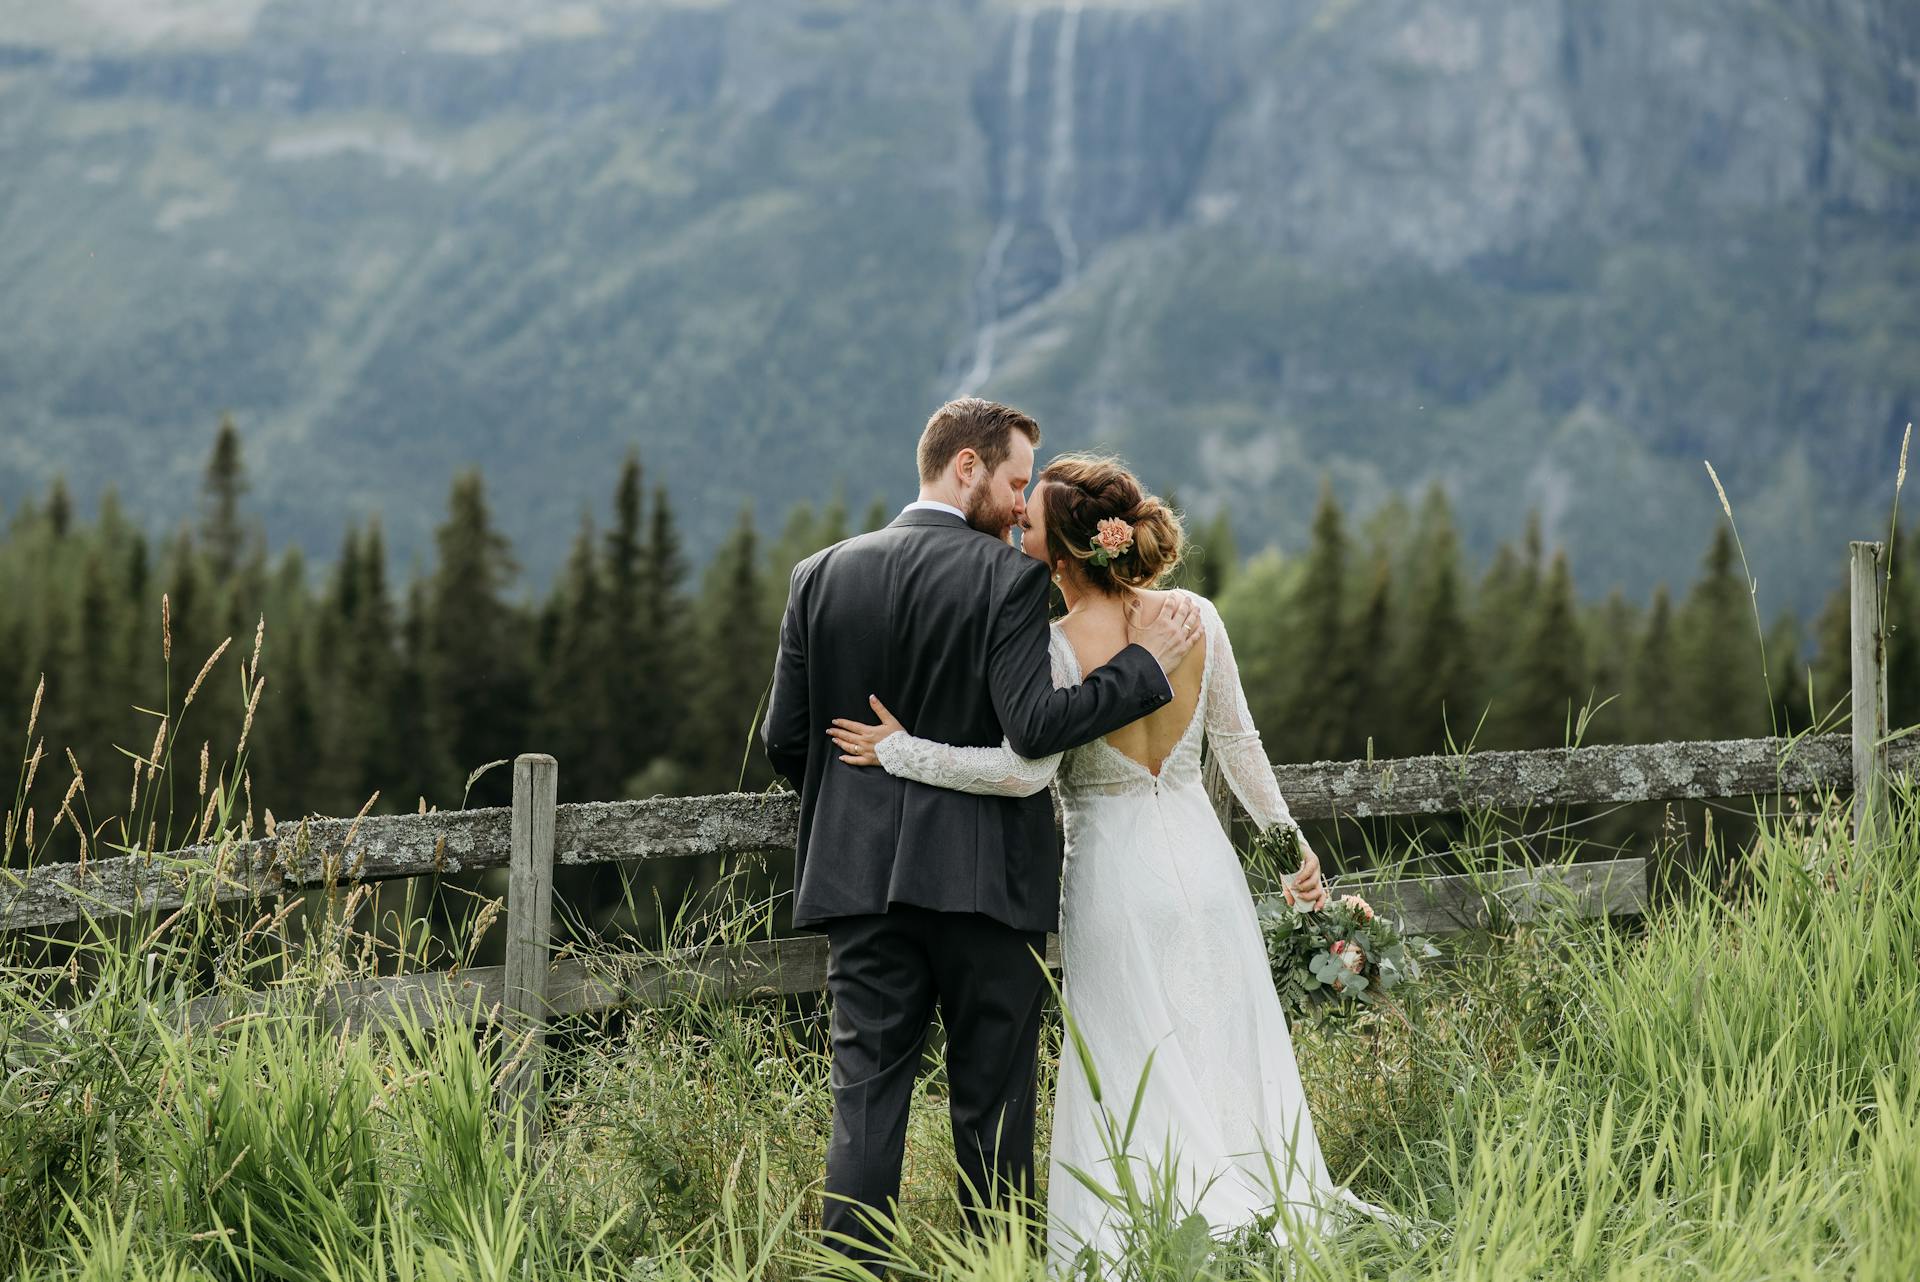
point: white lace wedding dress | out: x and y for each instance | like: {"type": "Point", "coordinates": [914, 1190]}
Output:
{"type": "Point", "coordinates": [1162, 956]}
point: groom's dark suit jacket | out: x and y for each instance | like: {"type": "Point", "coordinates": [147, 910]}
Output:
{"type": "Point", "coordinates": [948, 626]}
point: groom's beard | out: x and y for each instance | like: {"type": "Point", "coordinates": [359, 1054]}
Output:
{"type": "Point", "coordinates": [989, 516]}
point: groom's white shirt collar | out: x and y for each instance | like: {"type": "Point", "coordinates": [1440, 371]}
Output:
{"type": "Point", "coordinates": [933, 505]}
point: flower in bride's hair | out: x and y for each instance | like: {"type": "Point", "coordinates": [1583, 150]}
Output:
{"type": "Point", "coordinates": [1114, 539]}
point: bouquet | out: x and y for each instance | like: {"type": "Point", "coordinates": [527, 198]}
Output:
{"type": "Point", "coordinates": [1343, 952]}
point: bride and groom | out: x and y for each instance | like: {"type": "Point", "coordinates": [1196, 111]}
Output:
{"type": "Point", "coordinates": [931, 862]}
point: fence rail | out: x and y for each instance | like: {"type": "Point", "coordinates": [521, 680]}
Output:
{"type": "Point", "coordinates": [320, 852]}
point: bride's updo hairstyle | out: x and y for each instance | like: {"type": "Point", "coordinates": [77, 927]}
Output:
{"type": "Point", "coordinates": [1077, 492]}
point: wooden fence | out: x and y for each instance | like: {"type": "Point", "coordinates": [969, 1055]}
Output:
{"type": "Point", "coordinates": [535, 834]}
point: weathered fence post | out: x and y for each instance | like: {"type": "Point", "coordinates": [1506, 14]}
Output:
{"type": "Point", "coordinates": [1869, 686]}
{"type": "Point", "coordinates": [536, 779]}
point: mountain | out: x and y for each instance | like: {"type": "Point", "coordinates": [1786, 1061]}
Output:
{"type": "Point", "coordinates": [1552, 255]}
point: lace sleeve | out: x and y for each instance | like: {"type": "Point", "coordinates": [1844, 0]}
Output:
{"type": "Point", "coordinates": [1235, 740]}
{"type": "Point", "coordinates": [994, 772]}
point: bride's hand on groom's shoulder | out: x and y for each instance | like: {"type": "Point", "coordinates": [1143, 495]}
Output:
{"type": "Point", "coordinates": [859, 743]}
{"type": "Point", "coordinates": [1166, 626]}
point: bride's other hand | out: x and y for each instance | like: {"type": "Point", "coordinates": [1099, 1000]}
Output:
{"type": "Point", "coordinates": [858, 742]}
{"type": "Point", "coordinates": [1306, 883]}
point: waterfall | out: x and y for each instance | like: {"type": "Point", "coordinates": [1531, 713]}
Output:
{"type": "Point", "coordinates": [1056, 202]}
{"type": "Point", "coordinates": [986, 289]}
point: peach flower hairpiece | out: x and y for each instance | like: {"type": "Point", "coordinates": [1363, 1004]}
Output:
{"type": "Point", "coordinates": [1114, 540]}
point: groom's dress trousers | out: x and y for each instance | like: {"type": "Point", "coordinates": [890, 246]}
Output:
{"type": "Point", "coordinates": [930, 897]}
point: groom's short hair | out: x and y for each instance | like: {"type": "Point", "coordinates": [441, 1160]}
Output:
{"type": "Point", "coordinates": [968, 422]}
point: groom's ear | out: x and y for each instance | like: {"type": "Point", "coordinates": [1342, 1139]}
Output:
{"type": "Point", "coordinates": [967, 465]}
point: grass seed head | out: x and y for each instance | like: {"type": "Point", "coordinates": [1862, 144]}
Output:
{"type": "Point", "coordinates": [259, 635]}
{"type": "Point", "coordinates": [205, 668]}
{"type": "Point", "coordinates": [1721, 491]}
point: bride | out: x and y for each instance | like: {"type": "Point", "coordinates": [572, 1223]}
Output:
{"type": "Point", "coordinates": [1160, 947]}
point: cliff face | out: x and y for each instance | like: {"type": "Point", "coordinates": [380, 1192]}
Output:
{"type": "Point", "coordinates": [1552, 253]}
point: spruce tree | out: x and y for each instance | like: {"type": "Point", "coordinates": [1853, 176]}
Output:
{"type": "Point", "coordinates": [221, 532]}
{"type": "Point", "coordinates": [630, 686]}
{"type": "Point", "coordinates": [477, 646]}
{"type": "Point", "coordinates": [283, 744]}
{"type": "Point", "coordinates": [1506, 605]}
{"type": "Point", "coordinates": [1791, 712]}
{"type": "Point", "coordinates": [60, 509]}
{"type": "Point", "coordinates": [1325, 685]}
{"type": "Point", "coordinates": [1717, 655]}
{"type": "Point", "coordinates": [429, 773]}
{"type": "Point", "coordinates": [1833, 662]}
{"type": "Point", "coordinates": [361, 660]}
{"type": "Point", "coordinates": [1373, 709]}
{"type": "Point", "coordinates": [1650, 704]}
{"type": "Point", "coordinates": [1433, 683]}
{"type": "Point", "coordinates": [1549, 684]}
{"type": "Point", "coordinates": [735, 666]}
{"type": "Point", "coordinates": [577, 721]}
{"type": "Point", "coordinates": [332, 783]}
{"type": "Point", "coordinates": [1210, 558]}
{"type": "Point", "coordinates": [1267, 643]}
{"type": "Point", "coordinates": [1903, 636]}
{"type": "Point", "coordinates": [1611, 634]}
{"type": "Point", "coordinates": [666, 674]}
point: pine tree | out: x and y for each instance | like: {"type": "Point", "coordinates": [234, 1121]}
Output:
{"type": "Point", "coordinates": [1833, 662]}
{"type": "Point", "coordinates": [1210, 558]}
{"type": "Point", "coordinates": [1790, 709]}
{"type": "Point", "coordinates": [1650, 704]}
{"type": "Point", "coordinates": [477, 645]}
{"type": "Point", "coordinates": [666, 672]}
{"type": "Point", "coordinates": [1903, 637]}
{"type": "Point", "coordinates": [332, 783]}
{"type": "Point", "coordinates": [285, 737]}
{"type": "Point", "coordinates": [1325, 686]}
{"type": "Point", "coordinates": [878, 515]}
{"type": "Point", "coordinates": [1267, 642]}
{"type": "Point", "coordinates": [1433, 673]}
{"type": "Point", "coordinates": [833, 524]}
{"type": "Point", "coordinates": [429, 773]}
{"type": "Point", "coordinates": [1373, 691]}
{"type": "Point", "coordinates": [576, 720]}
{"type": "Point", "coordinates": [735, 665]}
{"type": "Point", "coordinates": [1506, 604]}
{"type": "Point", "coordinates": [362, 674]}
{"type": "Point", "coordinates": [1610, 641]}
{"type": "Point", "coordinates": [1717, 655]}
{"type": "Point", "coordinates": [1552, 665]}
{"type": "Point", "coordinates": [221, 532]}
{"type": "Point", "coordinates": [631, 643]}
{"type": "Point", "coordinates": [60, 509]}
{"type": "Point", "coordinates": [1388, 534]}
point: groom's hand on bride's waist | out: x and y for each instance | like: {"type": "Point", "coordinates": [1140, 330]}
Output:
{"type": "Point", "coordinates": [1166, 630]}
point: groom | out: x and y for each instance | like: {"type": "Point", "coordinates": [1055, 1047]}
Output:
{"type": "Point", "coordinates": [930, 897]}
